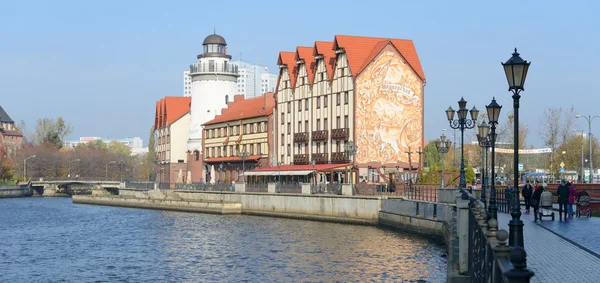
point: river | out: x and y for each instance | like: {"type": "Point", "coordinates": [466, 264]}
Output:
{"type": "Point", "coordinates": [53, 240]}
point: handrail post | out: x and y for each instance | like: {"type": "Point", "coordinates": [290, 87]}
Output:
{"type": "Point", "coordinates": [520, 273]}
{"type": "Point", "coordinates": [462, 205]}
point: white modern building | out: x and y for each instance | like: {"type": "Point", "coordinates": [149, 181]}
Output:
{"type": "Point", "coordinates": [134, 142]}
{"type": "Point", "coordinates": [254, 80]}
{"type": "Point", "coordinates": [187, 84]}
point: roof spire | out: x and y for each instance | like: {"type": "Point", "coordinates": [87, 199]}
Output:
{"type": "Point", "coordinates": [214, 30]}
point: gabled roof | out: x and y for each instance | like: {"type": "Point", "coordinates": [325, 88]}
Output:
{"type": "Point", "coordinates": [359, 49]}
{"type": "Point", "coordinates": [289, 60]}
{"type": "Point", "coordinates": [4, 118]}
{"type": "Point", "coordinates": [170, 109]}
{"type": "Point", "coordinates": [325, 49]}
{"type": "Point", "coordinates": [246, 108]}
{"type": "Point", "coordinates": [306, 54]}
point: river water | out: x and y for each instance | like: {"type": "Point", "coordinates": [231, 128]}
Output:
{"type": "Point", "coordinates": [53, 240]}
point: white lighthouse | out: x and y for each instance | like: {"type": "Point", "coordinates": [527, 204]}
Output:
{"type": "Point", "coordinates": [214, 82]}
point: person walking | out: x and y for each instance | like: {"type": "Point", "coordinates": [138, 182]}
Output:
{"type": "Point", "coordinates": [563, 199]}
{"type": "Point", "coordinates": [571, 201]}
{"type": "Point", "coordinates": [527, 192]}
{"type": "Point", "coordinates": [535, 199]}
{"type": "Point", "coordinates": [508, 197]}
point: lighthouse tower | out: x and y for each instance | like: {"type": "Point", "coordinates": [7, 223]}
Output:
{"type": "Point", "coordinates": [214, 83]}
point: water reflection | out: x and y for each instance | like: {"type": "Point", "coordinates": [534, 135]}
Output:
{"type": "Point", "coordinates": [58, 240]}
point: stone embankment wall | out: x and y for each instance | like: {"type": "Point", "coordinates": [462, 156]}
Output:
{"type": "Point", "coordinates": [15, 191]}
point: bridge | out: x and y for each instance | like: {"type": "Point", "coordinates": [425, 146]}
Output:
{"type": "Point", "coordinates": [71, 186]}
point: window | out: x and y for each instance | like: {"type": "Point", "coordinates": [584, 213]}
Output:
{"type": "Point", "coordinates": [325, 147]}
{"type": "Point", "coordinates": [299, 105]}
{"type": "Point", "coordinates": [337, 95]}
{"type": "Point", "coordinates": [258, 149]}
{"type": "Point", "coordinates": [318, 124]}
{"type": "Point", "coordinates": [289, 107]}
{"type": "Point", "coordinates": [324, 123]}
{"type": "Point", "coordinates": [251, 128]}
{"type": "Point", "coordinates": [212, 152]}
{"type": "Point", "coordinates": [346, 122]}
{"type": "Point", "coordinates": [318, 102]}
{"type": "Point", "coordinates": [306, 126]}
{"type": "Point", "coordinates": [320, 76]}
{"type": "Point", "coordinates": [196, 155]}
{"type": "Point", "coordinates": [225, 151]}
{"type": "Point", "coordinates": [338, 146]}
{"type": "Point", "coordinates": [306, 148]}
{"type": "Point", "coordinates": [346, 97]}
{"type": "Point", "coordinates": [281, 160]}
{"type": "Point", "coordinates": [259, 125]}
{"type": "Point", "coordinates": [244, 148]}
{"type": "Point", "coordinates": [219, 152]}
{"type": "Point", "coordinates": [282, 139]}
{"type": "Point", "coordinates": [325, 101]}
{"type": "Point", "coordinates": [289, 128]}
{"type": "Point", "coordinates": [282, 118]}
{"type": "Point", "coordinates": [318, 147]}
{"type": "Point", "coordinates": [306, 104]}
{"type": "Point", "coordinates": [289, 149]}
{"type": "Point", "coordinates": [299, 149]}
{"type": "Point", "coordinates": [337, 122]}
{"type": "Point", "coordinates": [251, 149]}
{"type": "Point", "coordinates": [245, 129]}
{"type": "Point", "coordinates": [266, 126]}
{"type": "Point", "coordinates": [231, 150]}
{"type": "Point", "coordinates": [299, 127]}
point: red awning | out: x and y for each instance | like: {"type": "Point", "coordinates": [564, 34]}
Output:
{"type": "Point", "coordinates": [231, 159]}
{"type": "Point", "coordinates": [318, 167]}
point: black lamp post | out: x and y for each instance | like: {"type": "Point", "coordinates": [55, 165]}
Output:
{"type": "Point", "coordinates": [443, 146]}
{"type": "Point", "coordinates": [462, 123]}
{"type": "Point", "coordinates": [350, 148]}
{"type": "Point", "coordinates": [516, 72]}
{"type": "Point", "coordinates": [493, 110]}
{"type": "Point", "coordinates": [243, 155]}
{"type": "Point", "coordinates": [484, 143]}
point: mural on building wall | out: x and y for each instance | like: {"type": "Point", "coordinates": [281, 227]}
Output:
{"type": "Point", "coordinates": [389, 110]}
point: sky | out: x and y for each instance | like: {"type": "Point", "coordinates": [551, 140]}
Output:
{"type": "Point", "coordinates": [102, 65]}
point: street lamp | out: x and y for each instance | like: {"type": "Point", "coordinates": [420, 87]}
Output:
{"type": "Point", "coordinates": [69, 169]}
{"type": "Point", "coordinates": [516, 72]}
{"type": "Point", "coordinates": [314, 173]}
{"type": "Point", "coordinates": [462, 123]}
{"type": "Point", "coordinates": [25, 168]}
{"type": "Point", "coordinates": [243, 154]}
{"type": "Point", "coordinates": [106, 168]}
{"type": "Point", "coordinates": [350, 148]}
{"type": "Point", "coordinates": [443, 146]}
{"type": "Point", "coordinates": [581, 134]}
{"type": "Point", "coordinates": [220, 177]}
{"type": "Point", "coordinates": [589, 119]}
{"type": "Point", "coordinates": [484, 143]}
{"type": "Point", "coordinates": [121, 165]}
{"type": "Point", "coordinates": [279, 175]}
{"type": "Point", "coordinates": [493, 111]}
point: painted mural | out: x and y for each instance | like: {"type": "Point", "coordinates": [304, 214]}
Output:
{"type": "Point", "coordinates": [389, 110]}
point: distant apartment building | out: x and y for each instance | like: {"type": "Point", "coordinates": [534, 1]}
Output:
{"type": "Point", "coordinates": [9, 134]}
{"type": "Point", "coordinates": [187, 84]}
{"type": "Point", "coordinates": [254, 80]}
{"type": "Point", "coordinates": [132, 142]}
{"type": "Point", "coordinates": [239, 139]}
{"type": "Point", "coordinates": [355, 90]}
{"type": "Point", "coordinates": [172, 125]}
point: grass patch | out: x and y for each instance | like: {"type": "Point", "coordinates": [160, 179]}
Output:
{"type": "Point", "coordinates": [7, 183]}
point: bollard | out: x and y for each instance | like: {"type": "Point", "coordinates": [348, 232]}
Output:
{"type": "Point", "coordinates": [492, 231]}
{"type": "Point", "coordinates": [501, 249]}
{"type": "Point", "coordinates": [519, 273]}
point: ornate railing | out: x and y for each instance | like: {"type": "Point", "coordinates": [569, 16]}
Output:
{"type": "Point", "coordinates": [339, 157]}
{"type": "Point", "coordinates": [339, 134]}
{"type": "Point", "coordinates": [320, 135]}
{"type": "Point", "coordinates": [320, 158]}
{"type": "Point", "coordinates": [333, 189]}
{"type": "Point", "coordinates": [213, 68]}
{"type": "Point", "coordinates": [289, 188]}
{"type": "Point", "coordinates": [205, 186]}
{"type": "Point", "coordinates": [301, 159]}
{"type": "Point", "coordinates": [257, 187]}
{"type": "Point", "coordinates": [139, 185]}
{"type": "Point", "coordinates": [301, 137]}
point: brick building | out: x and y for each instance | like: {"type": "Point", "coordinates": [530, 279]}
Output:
{"type": "Point", "coordinates": [9, 134]}
{"type": "Point", "coordinates": [171, 125]}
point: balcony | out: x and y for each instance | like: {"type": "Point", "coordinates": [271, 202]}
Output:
{"type": "Point", "coordinates": [320, 158]}
{"type": "Point", "coordinates": [320, 135]}
{"type": "Point", "coordinates": [339, 157]}
{"type": "Point", "coordinates": [197, 68]}
{"type": "Point", "coordinates": [301, 137]}
{"type": "Point", "coordinates": [339, 134]}
{"type": "Point", "coordinates": [301, 159]}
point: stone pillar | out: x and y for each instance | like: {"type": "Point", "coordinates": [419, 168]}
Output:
{"type": "Point", "coordinates": [98, 190]}
{"type": "Point", "coordinates": [347, 190]}
{"type": "Point", "coordinates": [240, 187]}
{"type": "Point", "coordinates": [306, 189]}
{"type": "Point", "coordinates": [463, 235]}
{"type": "Point", "coordinates": [271, 189]}
{"type": "Point", "coordinates": [50, 190]}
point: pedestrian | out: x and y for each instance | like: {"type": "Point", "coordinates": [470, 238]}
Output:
{"type": "Point", "coordinates": [563, 199]}
{"type": "Point", "coordinates": [535, 199]}
{"type": "Point", "coordinates": [572, 196]}
{"type": "Point", "coordinates": [527, 192]}
{"type": "Point", "coordinates": [508, 196]}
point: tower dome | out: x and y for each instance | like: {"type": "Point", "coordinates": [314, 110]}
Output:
{"type": "Point", "coordinates": [214, 45]}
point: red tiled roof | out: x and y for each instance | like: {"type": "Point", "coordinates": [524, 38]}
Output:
{"type": "Point", "coordinates": [318, 167]}
{"type": "Point", "coordinates": [325, 49]}
{"type": "Point", "coordinates": [359, 49]}
{"type": "Point", "coordinates": [305, 53]}
{"type": "Point", "coordinates": [170, 109]}
{"type": "Point", "coordinates": [12, 133]}
{"type": "Point", "coordinates": [288, 59]}
{"type": "Point", "coordinates": [246, 108]}
{"type": "Point", "coordinates": [231, 158]}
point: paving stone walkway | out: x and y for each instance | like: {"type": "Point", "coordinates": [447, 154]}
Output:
{"type": "Point", "coordinates": [553, 258]}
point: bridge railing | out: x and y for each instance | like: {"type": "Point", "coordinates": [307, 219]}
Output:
{"type": "Point", "coordinates": [89, 179]}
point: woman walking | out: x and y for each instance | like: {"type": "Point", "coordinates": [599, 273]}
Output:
{"type": "Point", "coordinates": [571, 201]}
{"type": "Point", "coordinates": [535, 199]}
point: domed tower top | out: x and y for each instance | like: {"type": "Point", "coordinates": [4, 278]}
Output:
{"type": "Point", "coordinates": [214, 45]}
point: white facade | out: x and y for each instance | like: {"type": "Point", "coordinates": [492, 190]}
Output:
{"type": "Point", "coordinates": [133, 143]}
{"type": "Point", "coordinates": [254, 80]}
{"type": "Point", "coordinates": [214, 83]}
{"type": "Point", "coordinates": [187, 84]}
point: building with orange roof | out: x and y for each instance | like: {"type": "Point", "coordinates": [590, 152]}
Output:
{"type": "Point", "coordinates": [239, 139]}
{"type": "Point", "coordinates": [354, 90]}
{"type": "Point", "coordinates": [171, 126]}
{"type": "Point", "coordinates": [10, 136]}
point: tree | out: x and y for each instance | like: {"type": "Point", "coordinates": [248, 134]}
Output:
{"type": "Point", "coordinates": [150, 156]}
{"type": "Point", "coordinates": [52, 131]}
{"type": "Point", "coordinates": [97, 144]}
{"type": "Point", "coordinates": [556, 125]}
{"type": "Point", "coordinates": [431, 156]}
{"type": "Point", "coordinates": [119, 148]}
{"type": "Point", "coordinates": [505, 139]}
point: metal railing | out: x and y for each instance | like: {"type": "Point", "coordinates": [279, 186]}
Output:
{"type": "Point", "coordinates": [332, 189]}
{"type": "Point", "coordinates": [289, 188]}
{"type": "Point", "coordinates": [257, 187]}
{"type": "Point", "coordinates": [200, 186]}
{"type": "Point", "coordinates": [420, 192]}
{"type": "Point", "coordinates": [139, 185]}
{"type": "Point", "coordinates": [213, 68]}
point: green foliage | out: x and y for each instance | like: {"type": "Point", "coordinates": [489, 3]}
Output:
{"type": "Point", "coordinates": [96, 144]}
{"type": "Point", "coordinates": [469, 174]}
{"type": "Point", "coordinates": [119, 148]}
{"type": "Point", "coordinates": [52, 131]}
{"type": "Point", "coordinates": [431, 155]}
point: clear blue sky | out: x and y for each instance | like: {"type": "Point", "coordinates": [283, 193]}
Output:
{"type": "Point", "coordinates": [102, 65]}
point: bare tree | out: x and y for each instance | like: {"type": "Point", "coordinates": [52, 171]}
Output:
{"type": "Point", "coordinates": [556, 126]}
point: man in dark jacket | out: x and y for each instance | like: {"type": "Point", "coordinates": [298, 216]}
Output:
{"type": "Point", "coordinates": [563, 198]}
{"type": "Point", "coordinates": [527, 192]}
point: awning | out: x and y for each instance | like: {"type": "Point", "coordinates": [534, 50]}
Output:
{"type": "Point", "coordinates": [258, 174]}
{"type": "Point", "coordinates": [277, 173]}
{"type": "Point", "coordinates": [294, 173]}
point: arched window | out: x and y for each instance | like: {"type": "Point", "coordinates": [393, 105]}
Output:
{"type": "Point", "coordinates": [196, 155]}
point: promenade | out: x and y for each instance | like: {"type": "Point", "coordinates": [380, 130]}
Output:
{"type": "Point", "coordinates": [570, 257]}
